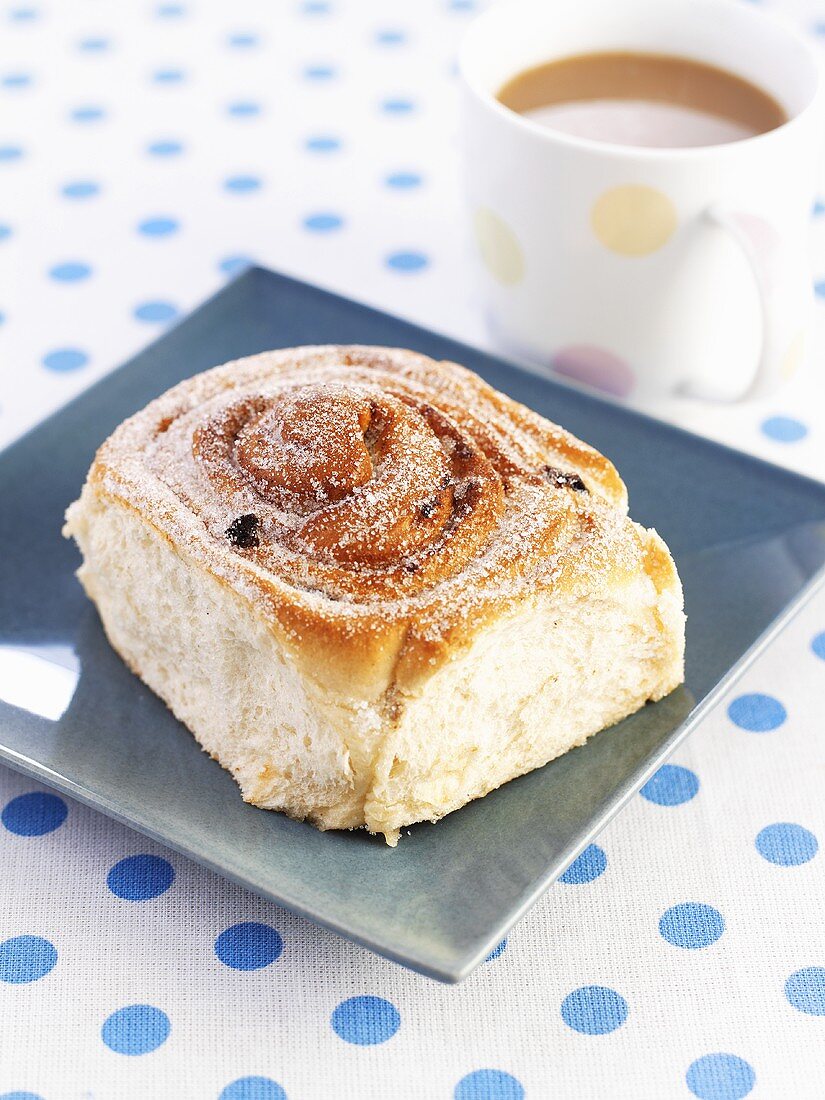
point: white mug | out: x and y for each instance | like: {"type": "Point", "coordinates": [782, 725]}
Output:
{"type": "Point", "coordinates": [644, 270]}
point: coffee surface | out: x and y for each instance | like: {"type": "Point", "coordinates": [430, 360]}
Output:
{"type": "Point", "coordinates": [656, 100]}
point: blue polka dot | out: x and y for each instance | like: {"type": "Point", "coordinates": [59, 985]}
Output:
{"type": "Point", "coordinates": [16, 80]}
{"type": "Point", "coordinates": [20, 1096]}
{"type": "Point", "coordinates": [2, 318]}
{"type": "Point", "coordinates": [489, 1084]}
{"type": "Point", "coordinates": [589, 865]}
{"type": "Point", "coordinates": [323, 143]}
{"type": "Point", "coordinates": [818, 645]}
{"type": "Point", "coordinates": [805, 989]}
{"type": "Point", "coordinates": [691, 924]}
{"type": "Point", "coordinates": [757, 713]}
{"type": "Point", "coordinates": [671, 785]}
{"type": "Point", "coordinates": [315, 7]}
{"type": "Point", "coordinates": [168, 76]}
{"type": "Point", "coordinates": [141, 877]}
{"type": "Point", "coordinates": [819, 288]}
{"type": "Point", "coordinates": [252, 1088]}
{"type": "Point", "coordinates": [497, 951]}
{"type": "Point", "coordinates": [390, 37]}
{"type": "Point", "coordinates": [93, 45]}
{"type": "Point", "coordinates": [406, 261]}
{"type": "Point", "coordinates": [10, 152]}
{"type": "Point", "coordinates": [784, 429]}
{"type": "Point", "coordinates": [243, 41]}
{"type": "Point", "coordinates": [461, 5]}
{"type": "Point", "coordinates": [323, 223]}
{"type": "Point", "coordinates": [5, 231]}
{"type": "Point", "coordinates": [234, 265]}
{"type": "Point", "coordinates": [397, 106]}
{"type": "Point", "coordinates": [786, 844]}
{"type": "Point", "coordinates": [244, 109]}
{"type": "Point", "coordinates": [23, 15]}
{"type": "Point", "coordinates": [249, 946]}
{"type": "Point", "coordinates": [34, 814]}
{"type": "Point", "coordinates": [158, 227]}
{"type": "Point", "coordinates": [25, 959]}
{"type": "Point", "coordinates": [594, 1010]}
{"type": "Point", "coordinates": [170, 11]}
{"type": "Point", "coordinates": [242, 185]}
{"type": "Point", "coordinates": [65, 359]}
{"type": "Point", "coordinates": [819, 205]}
{"type": "Point", "coordinates": [365, 1020]}
{"type": "Point", "coordinates": [720, 1077]}
{"type": "Point", "coordinates": [155, 312]}
{"type": "Point", "coordinates": [403, 181]}
{"type": "Point", "coordinates": [319, 72]}
{"type": "Point", "coordinates": [89, 113]}
{"type": "Point", "coordinates": [70, 272]}
{"type": "Point", "coordinates": [135, 1029]}
{"type": "Point", "coordinates": [80, 189]}
{"type": "Point", "coordinates": [164, 148]}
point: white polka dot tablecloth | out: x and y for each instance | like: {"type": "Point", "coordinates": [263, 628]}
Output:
{"type": "Point", "coordinates": [149, 151]}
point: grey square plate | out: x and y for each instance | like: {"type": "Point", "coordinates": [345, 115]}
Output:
{"type": "Point", "coordinates": [747, 537]}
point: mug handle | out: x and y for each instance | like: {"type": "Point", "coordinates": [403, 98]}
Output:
{"type": "Point", "coordinates": [768, 373]}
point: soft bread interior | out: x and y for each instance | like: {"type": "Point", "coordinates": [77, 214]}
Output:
{"type": "Point", "coordinates": [222, 670]}
{"type": "Point", "coordinates": [532, 686]}
{"type": "Point", "coordinates": [550, 672]}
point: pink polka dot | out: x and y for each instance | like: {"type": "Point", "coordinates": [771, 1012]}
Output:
{"type": "Point", "coordinates": [595, 367]}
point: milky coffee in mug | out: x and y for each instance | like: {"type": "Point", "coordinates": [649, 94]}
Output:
{"type": "Point", "coordinates": [654, 100]}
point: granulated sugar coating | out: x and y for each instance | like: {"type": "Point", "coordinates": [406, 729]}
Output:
{"type": "Point", "coordinates": [368, 488]}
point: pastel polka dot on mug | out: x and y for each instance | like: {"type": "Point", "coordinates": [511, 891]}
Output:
{"type": "Point", "coordinates": [499, 246]}
{"type": "Point", "coordinates": [595, 367]}
{"type": "Point", "coordinates": [633, 220]}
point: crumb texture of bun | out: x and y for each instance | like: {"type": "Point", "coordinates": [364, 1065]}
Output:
{"type": "Point", "coordinates": [372, 586]}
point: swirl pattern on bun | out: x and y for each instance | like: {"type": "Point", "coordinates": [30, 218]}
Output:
{"type": "Point", "coordinates": [371, 494]}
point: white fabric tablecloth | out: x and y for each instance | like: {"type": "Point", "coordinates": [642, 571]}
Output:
{"type": "Point", "coordinates": [147, 151]}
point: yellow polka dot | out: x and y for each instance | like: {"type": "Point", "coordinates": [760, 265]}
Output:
{"type": "Point", "coordinates": [500, 249]}
{"type": "Point", "coordinates": [792, 359]}
{"type": "Point", "coordinates": [633, 220]}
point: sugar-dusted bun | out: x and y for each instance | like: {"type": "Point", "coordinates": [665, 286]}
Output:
{"type": "Point", "coordinates": [370, 514]}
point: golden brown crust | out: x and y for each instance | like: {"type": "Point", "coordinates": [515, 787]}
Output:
{"type": "Point", "coordinates": [375, 507]}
